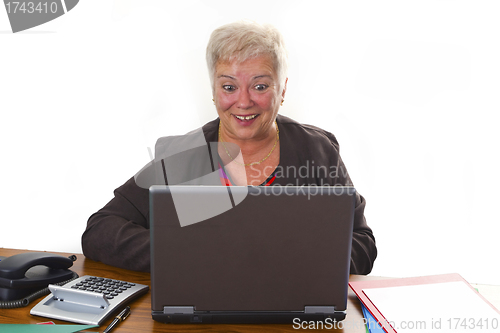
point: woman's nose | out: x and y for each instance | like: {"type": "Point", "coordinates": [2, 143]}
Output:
{"type": "Point", "coordinates": [244, 99]}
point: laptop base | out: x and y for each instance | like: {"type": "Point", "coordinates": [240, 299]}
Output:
{"type": "Point", "coordinates": [245, 317]}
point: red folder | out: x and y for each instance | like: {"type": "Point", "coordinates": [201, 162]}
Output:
{"type": "Point", "coordinates": [358, 286]}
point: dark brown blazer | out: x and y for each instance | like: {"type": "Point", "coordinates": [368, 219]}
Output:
{"type": "Point", "coordinates": [118, 234]}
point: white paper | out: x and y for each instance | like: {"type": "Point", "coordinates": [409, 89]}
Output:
{"type": "Point", "coordinates": [440, 307]}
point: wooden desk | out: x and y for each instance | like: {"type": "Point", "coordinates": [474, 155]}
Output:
{"type": "Point", "coordinates": [140, 319]}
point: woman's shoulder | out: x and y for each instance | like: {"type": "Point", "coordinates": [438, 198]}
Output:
{"type": "Point", "coordinates": [210, 130]}
{"type": "Point", "coordinates": [172, 144]}
{"type": "Point", "coordinates": [305, 133]}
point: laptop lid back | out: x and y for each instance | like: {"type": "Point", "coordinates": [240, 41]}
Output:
{"type": "Point", "coordinates": [260, 249]}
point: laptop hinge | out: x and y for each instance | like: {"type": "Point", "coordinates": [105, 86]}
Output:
{"type": "Point", "coordinates": [319, 309]}
{"type": "Point", "coordinates": [178, 309]}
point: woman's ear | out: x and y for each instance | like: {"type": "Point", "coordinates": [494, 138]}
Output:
{"type": "Point", "coordinates": [284, 90]}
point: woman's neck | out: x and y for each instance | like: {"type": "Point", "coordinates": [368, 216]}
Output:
{"type": "Point", "coordinates": [252, 150]}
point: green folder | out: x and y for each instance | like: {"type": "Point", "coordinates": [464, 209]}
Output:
{"type": "Point", "coordinates": [28, 328]}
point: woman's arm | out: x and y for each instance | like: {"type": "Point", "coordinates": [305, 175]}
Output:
{"type": "Point", "coordinates": [363, 250]}
{"type": "Point", "coordinates": [118, 234]}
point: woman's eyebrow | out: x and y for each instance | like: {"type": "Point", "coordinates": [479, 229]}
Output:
{"type": "Point", "coordinates": [264, 75]}
{"type": "Point", "coordinates": [228, 76]}
{"type": "Point", "coordinates": [255, 77]}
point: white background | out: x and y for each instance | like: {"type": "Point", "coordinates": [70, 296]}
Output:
{"type": "Point", "coordinates": [410, 89]}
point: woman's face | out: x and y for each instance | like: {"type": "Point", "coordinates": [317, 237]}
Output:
{"type": "Point", "coordinates": [247, 98]}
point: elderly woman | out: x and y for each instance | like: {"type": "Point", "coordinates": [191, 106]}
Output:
{"type": "Point", "coordinates": [247, 64]}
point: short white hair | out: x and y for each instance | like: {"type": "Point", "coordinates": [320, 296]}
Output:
{"type": "Point", "coordinates": [245, 40]}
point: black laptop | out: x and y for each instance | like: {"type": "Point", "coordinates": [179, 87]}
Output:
{"type": "Point", "coordinates": [266, 254]}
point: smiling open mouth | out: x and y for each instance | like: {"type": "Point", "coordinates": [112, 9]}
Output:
{"type": "Point", "coordinates": [246, 117]}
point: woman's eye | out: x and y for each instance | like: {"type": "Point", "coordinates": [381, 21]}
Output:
{"type": "Point", "coordinates": [228, 87]}
{"type": "Point", "coordinates": [261, 87]}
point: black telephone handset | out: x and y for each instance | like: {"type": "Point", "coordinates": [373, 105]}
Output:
{"type": "Point", "coordinates": [27, 275]}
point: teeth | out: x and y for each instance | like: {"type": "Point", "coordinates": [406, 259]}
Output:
{"type": "Point", "coordinates": [246, 118]}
